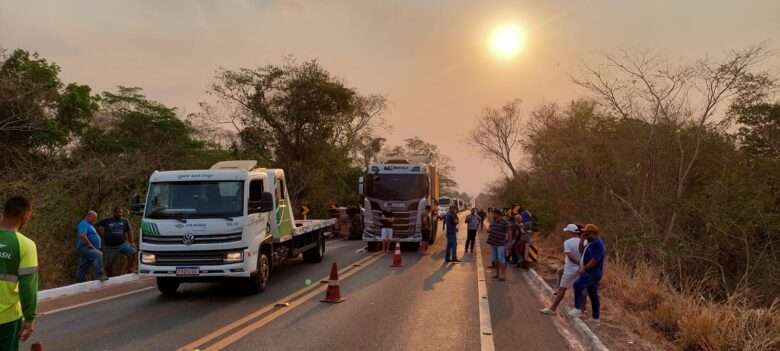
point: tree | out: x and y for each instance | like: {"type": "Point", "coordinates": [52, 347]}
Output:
{"type": "Point", "coordinates": [419, 149]}
{"type": "Point", "coordinates": [650, 88]}
{"type": "Point", "coordinates": [498, 135]}
{"type": "Point", "coordinates": [299, 117]}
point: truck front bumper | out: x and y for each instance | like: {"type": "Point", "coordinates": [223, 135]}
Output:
{"type": "Point", "coordinates": [237, 270]}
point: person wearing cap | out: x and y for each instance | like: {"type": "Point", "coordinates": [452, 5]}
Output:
{"type": "Point", "coordinates": [591, 271]}
{"type": "Point", "coordinates": [571, 266]}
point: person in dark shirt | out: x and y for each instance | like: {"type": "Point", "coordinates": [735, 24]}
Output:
{"type": "Point", "coordinates": [425, 224]}
{"type": "Point", "coordinates": [498, 237]}
{"type": "Point", "coordinates": [118, 240]}
{"type": "Point", "coordinates": [451, 220]}
{"type": "Point", "coordinates": [591, 271]}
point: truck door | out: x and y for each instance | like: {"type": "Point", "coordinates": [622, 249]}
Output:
{"type": "Point", "coordinates": [284, 217]}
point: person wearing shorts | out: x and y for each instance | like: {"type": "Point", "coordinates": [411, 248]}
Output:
{"type": "Point", "coordinates": [571, 266]}
{"type": "Point", "coordinates": [498, 237]}
{"type": "Point", "coordinates": [118, 240]}
{"type": "Point", "coordinates": [386, 222]}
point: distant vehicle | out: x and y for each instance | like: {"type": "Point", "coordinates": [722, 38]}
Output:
{"type": "Point", "coordinates": [233, 221]}
{"type": "Point", "coordinates": [405, 189]}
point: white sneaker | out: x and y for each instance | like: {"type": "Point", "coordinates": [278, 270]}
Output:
{"type": "Point", "coordinates": [576, 313]}
{"type": "Point", "coordinates": [595, 323]}
{"type": "Point", "coordinates": [547, 311]}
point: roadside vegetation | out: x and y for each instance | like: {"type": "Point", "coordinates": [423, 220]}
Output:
{"type": "Point", "coordinates": [71, 149]}
{"type": "Point", "coordinates": [677, 162]}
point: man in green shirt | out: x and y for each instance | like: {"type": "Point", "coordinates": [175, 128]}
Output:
{"type": "Point", "coordinates": [18, 275]}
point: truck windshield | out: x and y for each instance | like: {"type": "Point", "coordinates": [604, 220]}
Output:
{"type": "Point", "coordinates": [396, 186]}
{"type": "Point", "coordinates": [199, 199]}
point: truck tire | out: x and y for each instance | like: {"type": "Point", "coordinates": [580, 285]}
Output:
{"type": "Point", "coordinates": [258, 281]}
{"type": "Point", "coordinates": [167, 286]}
{"type": "Point", "coordinates": [315, 254]}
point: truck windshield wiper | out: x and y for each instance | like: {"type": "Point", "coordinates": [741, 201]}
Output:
{"type": "Point", "coordinates": [162, 215]}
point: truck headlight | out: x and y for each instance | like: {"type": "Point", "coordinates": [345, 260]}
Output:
{"type": "Point", "coordinates": [234, 256]}
{"type": "Point", "coordinates": [148, 258]}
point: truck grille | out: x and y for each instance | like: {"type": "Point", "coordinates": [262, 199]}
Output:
{"type": "Point", "coordinates": [404, 223]}
{"type": "Point", "coordinates": [199, 239]}
{"type": "Point", "coordinates": [190, 258]}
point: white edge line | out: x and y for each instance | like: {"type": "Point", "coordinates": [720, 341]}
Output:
{"type": "Point", "coordinates": [86, 286]}
{"type": "Point", "coordinates": [583, 329]}
{"type": "Point", "coordinates": [485, 322]}
{"type": "Point", "coordinates": [96, 301]}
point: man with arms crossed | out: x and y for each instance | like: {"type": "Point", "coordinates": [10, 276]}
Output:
{"type": "Point", "coordinates": [18, 275]}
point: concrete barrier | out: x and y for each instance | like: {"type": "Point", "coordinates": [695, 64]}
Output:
{"type": "Point", "coordinates": [582, 328]}
{"type": "Point", "coordinates": [79, 288]}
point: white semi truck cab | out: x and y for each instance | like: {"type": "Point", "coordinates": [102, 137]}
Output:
{"type": "Point", "coordinates": [233, 221]}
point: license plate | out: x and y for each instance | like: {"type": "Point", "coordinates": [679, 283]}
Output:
{"type": "Point", "coordinates": [187, 271]}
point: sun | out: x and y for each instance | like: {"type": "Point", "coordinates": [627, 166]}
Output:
{"type": "Point", "coordinates": [506, 41]}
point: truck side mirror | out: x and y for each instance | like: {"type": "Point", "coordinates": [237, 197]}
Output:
{"type": "Point", "coordinates": [266, 203]}
{"type": "Point", "coordinates": [137, 207]}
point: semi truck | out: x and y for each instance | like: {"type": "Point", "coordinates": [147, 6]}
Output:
{"type": "Point", "coordinates": [403, 188]}
{"type": "Point", "coordinates": [233, 221]}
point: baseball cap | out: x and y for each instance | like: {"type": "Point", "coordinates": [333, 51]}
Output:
{"type": "Point", "coordinates": [592, 228]}
{"type": "Point", "coordinates": [571, 228]}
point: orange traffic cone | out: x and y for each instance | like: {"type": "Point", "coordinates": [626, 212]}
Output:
{"type": "Point", "coordinates": [333, 293]}
{"type": "Point", "coordinates": [36, 347]}
{"type": "Point", "coordinates": [397, 256]}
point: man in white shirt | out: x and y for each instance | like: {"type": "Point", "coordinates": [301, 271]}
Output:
{"type": "Point", "coordinates": [571, 266]}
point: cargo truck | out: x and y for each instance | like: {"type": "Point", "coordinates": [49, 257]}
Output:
{"type": "Point", "coordinates": [233, 221]}
{"type": "Point", "coordinates": [403, 188]}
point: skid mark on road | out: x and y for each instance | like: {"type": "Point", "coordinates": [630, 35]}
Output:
{"type": "Point", "coordinates": [236, 330]}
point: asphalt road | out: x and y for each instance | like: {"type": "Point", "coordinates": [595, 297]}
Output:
{"type": "Point", "coordinates": [424, 305]}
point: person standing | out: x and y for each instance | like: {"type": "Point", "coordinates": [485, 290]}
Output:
{"type": "Point", "coordinates": [591, 271]}
{"type": "Point", "coordinates": [386, 222]}
{"type": "Point", "coordinates": [118, 236]}
{"type": "Point", "coordinates": [472, 221]}
{"type": "Point", "coordinates": [88, 245]}
{"type": "Point", "coordinates": [18, 275]}
{"type": "Point", "coordinates": [498, 237]}
{"type": "Point", "coordinates": [425, 224]}
{"type": "Point", "coordinates": [451, 221]}
{"type": "Point", "coordinates": [571, 266]}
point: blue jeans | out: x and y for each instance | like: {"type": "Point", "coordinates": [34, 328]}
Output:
{"type": "Point", "coordinates": [452, 248]}
{"type": "Point", "coordinates": [590, 283]}
{"type": "Point", "coordinates": [89, 259]}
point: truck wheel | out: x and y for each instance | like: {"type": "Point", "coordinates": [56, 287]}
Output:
{"type": "Point", "coordinates": [167, 286]}
{"type": "Point", "coordinates": [372, 246]}
{"type": "Point", "coordinates": [315, 254]}
{"type": "Point", "coordinates": [258, 281]}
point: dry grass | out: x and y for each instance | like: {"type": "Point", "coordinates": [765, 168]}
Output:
{"type": "Point", "coordinates": [641, 307]}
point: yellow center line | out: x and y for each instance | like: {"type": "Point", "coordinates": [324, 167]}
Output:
{"type": "Point", "coordinates": [293, 299]}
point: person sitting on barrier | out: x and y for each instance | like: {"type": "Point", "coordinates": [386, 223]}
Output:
{"type": "Point", "coordinates": [88, 245]}
{"type": "Point", "coordinates": [118, 236]}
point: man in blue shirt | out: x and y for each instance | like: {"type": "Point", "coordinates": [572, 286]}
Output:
{"type": "Point", "coordinates": [591, 270]}
{"type": "Point", "coordinates": [88, 245]}
{"type": "Point", "coordinates": [451, 221]}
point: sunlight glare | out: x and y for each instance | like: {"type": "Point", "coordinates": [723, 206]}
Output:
{"type": "Point", "coordinates": [507, 41]}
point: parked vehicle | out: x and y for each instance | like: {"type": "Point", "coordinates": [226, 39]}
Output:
{"type": "Point", "coordinates": [404, 189]}
{"type": "Point", "coordinates": [233, 221]}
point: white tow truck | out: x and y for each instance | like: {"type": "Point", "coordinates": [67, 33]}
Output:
{"type": "Point", "coordinates": [233, 221]}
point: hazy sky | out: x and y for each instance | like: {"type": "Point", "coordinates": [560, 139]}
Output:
{"type": "Point", "coordinates": [428, 57]}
